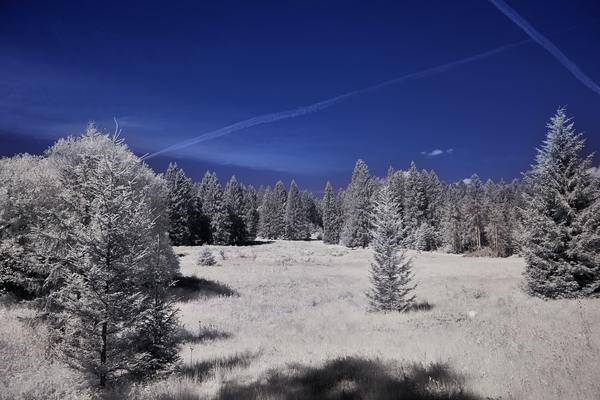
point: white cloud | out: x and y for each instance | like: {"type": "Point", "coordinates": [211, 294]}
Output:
{"type": "Point", "coordinates": [436, 152]}
{"type": "Point", "coordinates": [432, 153]}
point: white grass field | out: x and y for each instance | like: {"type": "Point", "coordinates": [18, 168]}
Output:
{"type": "Point", "coordinates": [269, 312]}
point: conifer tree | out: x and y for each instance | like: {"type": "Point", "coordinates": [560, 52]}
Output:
{"type": "Point", "coordinates": [180, 203]}
{"type": "Point", "coordinates": [220, 223]}
{"type": "Point", "coordinates": [215, 208]}
{"type": "Point", "coordinates": [113, 261]}
{"type": "Point", "coordinates": [199, 223]}
{"type": "Point", "coordinates": [332, 217]}
{"type": "Point", "coordinates": [312, 213]}
{"type": "Point", "coordinates": [562, 234]}
{"type": "Point", "coordinates": [357, 208]}
{"type": "Point", "coordinates": [391, 274]}
{"type": "Point", "coordinates": [234, 199]}
{"type": "Point", "coordinates": [260, 194]}
{"type": "Point", "coordinates": [500, 222]}
{"type": "Point", "coordinates": [280, 198]}
{"type": "Point", "coordinates": [475, 212]}
{"type": "Point", "coordinates": [251, 214]}
{"type": "Point", "coordinates": [396, 181]}
{"type": "Point", "coordinates": [267, 215]}
{"type": "Point", "coordinates": [295, 218]}
{"type": "Point", "coordinates": [415, 206]}
{"type": "Point", "coordinates": [454, 225]}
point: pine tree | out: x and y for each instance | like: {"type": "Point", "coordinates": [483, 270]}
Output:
{"type": "Point", "coordinates": [474, 212]}
{"type": "Point", "coordinates": [267, 212]}
{"type": "Point", "coordinates": [180, 198]}
{"type": "Point", "coordinates": [396, 181]}
{"type": "Point", "coordinates": [206, 258]}
{"type": "Point", "coordinates": [561, 238]}
{"type": "Point", "coordinates": [357, 208]}
{"type": "Point", "coordinates": [313, 218]}
{"type": "Point", "coordinates": [234, 199]}
{"type": "Point", "coordinates": [500, 220]}
{"type": "Point", "coordinates": [272, 212]}
{"type": "Point", "coordinates": [415, 207]}
{"type": "Point", "coordinates": [429, 237]}
{"type": "Point", "coordinates": [251, 215]}
{"type": "Point", "coordinates": [295, 218]}
{"type": "Point", "coordinates": [454, 224]}
{"type": "Point", "coordinates": [215, 208]}
{"type": "Point", "coordinates": [156, 343]}
{"type": "Point", "coordinates": [113, 261]}
{"type": "Point", "coordinates": [220, 223]}
{"type": "Point", "coordinates": [332, 216]}
{"type": "Point", "coordinates": [280, 198]}
{"type": "Point", "coordinates": [199, 223]}
{"type": "Point", "coordinates": [391, 273]}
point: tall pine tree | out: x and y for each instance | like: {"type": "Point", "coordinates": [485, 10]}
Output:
{"type": "Point", "coordinates": [357, 208]}
{"type": "Point", "coordinates": [562, 234]}
{"type": "Point", "coordinates": [295, 218]}
{"type": "Point", "coordinates": [332, 216]}
{"type": "Point", "coordinates": [234, 199]}
{"type": "Point", "coordinates": [180, 203]}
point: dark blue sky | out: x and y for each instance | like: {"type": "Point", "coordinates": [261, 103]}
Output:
{"type": "Point", "coordinates": [169, 71]}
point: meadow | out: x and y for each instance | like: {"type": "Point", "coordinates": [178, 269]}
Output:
{"type": "Point", "coordinates": [289, 320]}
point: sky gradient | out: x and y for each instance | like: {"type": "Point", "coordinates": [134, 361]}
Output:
{"type": "Point", "coordinates": [172, 72]}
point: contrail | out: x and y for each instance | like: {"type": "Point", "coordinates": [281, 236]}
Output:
{"type": "Point", "coordinates": [545, 43]}
{"type": "Point", "coordinates": [321, 105]}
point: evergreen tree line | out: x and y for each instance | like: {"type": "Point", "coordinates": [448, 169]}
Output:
{"type": "Point", "coordinates": [207, 213]}
{"type": "Point", "coordinates": [84, 237]}
{"type": "Point", "coordinates": [463, 217]}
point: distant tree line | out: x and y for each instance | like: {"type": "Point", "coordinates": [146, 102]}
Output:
{"type": "Point", "coordinates": [467, 216]}
{"type": "Point", "coordinates": [207, 213]}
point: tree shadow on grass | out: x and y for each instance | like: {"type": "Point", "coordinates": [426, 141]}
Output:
{"type": "Point", "coordinates": [206, 333]}
{"type": "Point", "coordinates": [200, 370]}
{"type": "Point", "coordinates": [257, 242]}
{"type": "Point", "coordinates": [420, 306]}
{"type": "Point", "coordinates": [188, 288]}
{"type": "Point", "coordinates": [353, 378]}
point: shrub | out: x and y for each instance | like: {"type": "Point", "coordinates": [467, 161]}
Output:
{"type": "Point", "coordinates": [206, 258]}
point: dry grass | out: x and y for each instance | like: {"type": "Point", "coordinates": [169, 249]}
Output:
{"type": "Point", "coordinates": [27, 370]}
{"type": "Point", "coordinates": [281, 320]}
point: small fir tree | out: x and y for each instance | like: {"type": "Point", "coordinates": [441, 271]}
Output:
{"type": "Point", "coordinates": [206, 258]}
{"type": "Point", "coordinates": [391, 271]}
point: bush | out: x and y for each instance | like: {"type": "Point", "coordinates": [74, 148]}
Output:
{"type": "Point", "coordinates": [206, 258]}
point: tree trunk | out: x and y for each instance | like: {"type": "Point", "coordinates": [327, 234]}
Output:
{"type": "Point", "coordinates": [103, 356]}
